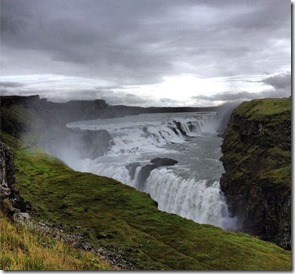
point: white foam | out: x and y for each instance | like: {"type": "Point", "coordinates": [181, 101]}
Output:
{"type": "Point", "coordinates": [195, 200]}
{"type": "Point", "coordinates": [144, 136]}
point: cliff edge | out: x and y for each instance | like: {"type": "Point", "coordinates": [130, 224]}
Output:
{"type": "Point", "coordinates": [257, 159]}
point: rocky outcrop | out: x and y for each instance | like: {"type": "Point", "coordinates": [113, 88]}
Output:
{"type": "Point", "coordinates": [257, 159]}
{"type": "Point", "coordinates": [7, 171]}
{"type": "Point", "coordinates": [146, 170]}
{"type": "Point", "coordinates": [178, 125]}
{"type": "Point", "coordinates": [163, 162]}
{"type": "Point", "coordinates": [12, 204]}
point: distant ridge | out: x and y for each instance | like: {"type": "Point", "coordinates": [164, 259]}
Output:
{"type": "Point", "coordinates": [89, 109]}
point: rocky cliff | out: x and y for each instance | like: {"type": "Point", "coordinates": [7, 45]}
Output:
{"type": "Point", "coordinates": [257, 159]}
{"type": "Point", "coordinates": [12, 204]}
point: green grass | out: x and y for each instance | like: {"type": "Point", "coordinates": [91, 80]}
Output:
{"type": "Point", "coordinates": [127, 222]}
{"type": "Point", "coordinates": [259, 141]}
{"type": "Point", "coordinates": [261, 108]}
{"type": "Point", "coordinates": [22, 249]}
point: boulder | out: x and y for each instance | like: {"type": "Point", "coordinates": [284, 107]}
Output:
{"type": "Point", "coordinates": [163, 162]}
{"type": "Point", "coordinates": [22, 217]}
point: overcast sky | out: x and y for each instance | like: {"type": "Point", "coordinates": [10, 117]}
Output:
{"type": "Point", "coordinates": [146, 52]}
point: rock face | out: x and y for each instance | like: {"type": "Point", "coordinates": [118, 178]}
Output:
{"type": "Point", "coordinates": [163, 162]}
{"type": "Point", "coordinates": [257, 159]}
{"type": "Point", "coordinates": [147, 169]}
{"type": "Point", "coordinates": [12, 204]}
{"type": "Point", "coordinates": [7, 171]}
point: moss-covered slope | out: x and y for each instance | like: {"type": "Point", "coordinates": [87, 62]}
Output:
{"type": "Point", "coordinates": [257, 159]}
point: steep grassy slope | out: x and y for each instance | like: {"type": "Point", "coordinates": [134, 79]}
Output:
{"type": "Point", "coordinates": [127, 223]}
{"type": "Point", "coordinates": [257, 160]}
{"type": "Point", "coordinates": [22, 249]}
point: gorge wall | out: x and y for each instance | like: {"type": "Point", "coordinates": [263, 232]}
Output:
{"type": "Point", "coordinates": [257, 159]}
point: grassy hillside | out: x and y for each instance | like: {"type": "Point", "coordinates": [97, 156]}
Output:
{"type": "Point", "coordinates": [127, 223]}
{"type": "Point", "coordinates": [22, 249]}
{"type": "Point", "coordinates": [264, 109]}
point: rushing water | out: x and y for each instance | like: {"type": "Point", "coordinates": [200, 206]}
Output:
{"type": "Point", "coordinates": [191, 187]}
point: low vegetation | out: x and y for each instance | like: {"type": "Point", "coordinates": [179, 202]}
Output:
{"type": "Point", "coordinates": [22, 249]}
{"type": "Point", "coordinates": [262, 127]}
{"type": "Point", "coordinates": [263, 109]}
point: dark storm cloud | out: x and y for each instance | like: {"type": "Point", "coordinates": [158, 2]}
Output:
{"type": "Point", "coordinates": [141, 41]}
{"type": "Point", "coordinates": [281, 81]}
{"type": "Point", "coordinates": [10, 84]}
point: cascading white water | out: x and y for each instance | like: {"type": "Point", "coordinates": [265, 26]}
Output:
{"type": "Point", "coordinates": [199, 201]}
{"type": "Point", "coordinates": [190, 188]}
{"type": "Point", "coordinates": [130, 136]}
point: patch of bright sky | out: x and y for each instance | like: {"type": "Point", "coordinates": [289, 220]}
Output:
{"type": "Point", "coordinates": [178, 88]}
{"type": "Point", "coordinates": [182, 88]}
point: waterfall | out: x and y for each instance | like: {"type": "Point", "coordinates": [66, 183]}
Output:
{"type": "Point", "coordinates": [138, 139]}
{"type": "Point", "coordinates": [199, 201]}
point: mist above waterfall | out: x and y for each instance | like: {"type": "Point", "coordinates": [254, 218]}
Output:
{"type": "Point", "coordinates": [219, 123]}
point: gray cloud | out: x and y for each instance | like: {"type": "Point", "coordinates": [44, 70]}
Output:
{"type": "Point", "coordinates": [140, 42]}
{"type": "Point", "coordinates": [10, 84]}
{"type": "Point", "coordinates": [281, 81]}
{"type": "Point", "coordinates": [227, 96]}
{"type": "Point", "coordinates": [109, 94]}
{"type": "Point", "coordinates": [243, 95]}
{"type": "Point", "coordinates": [281, 87]}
